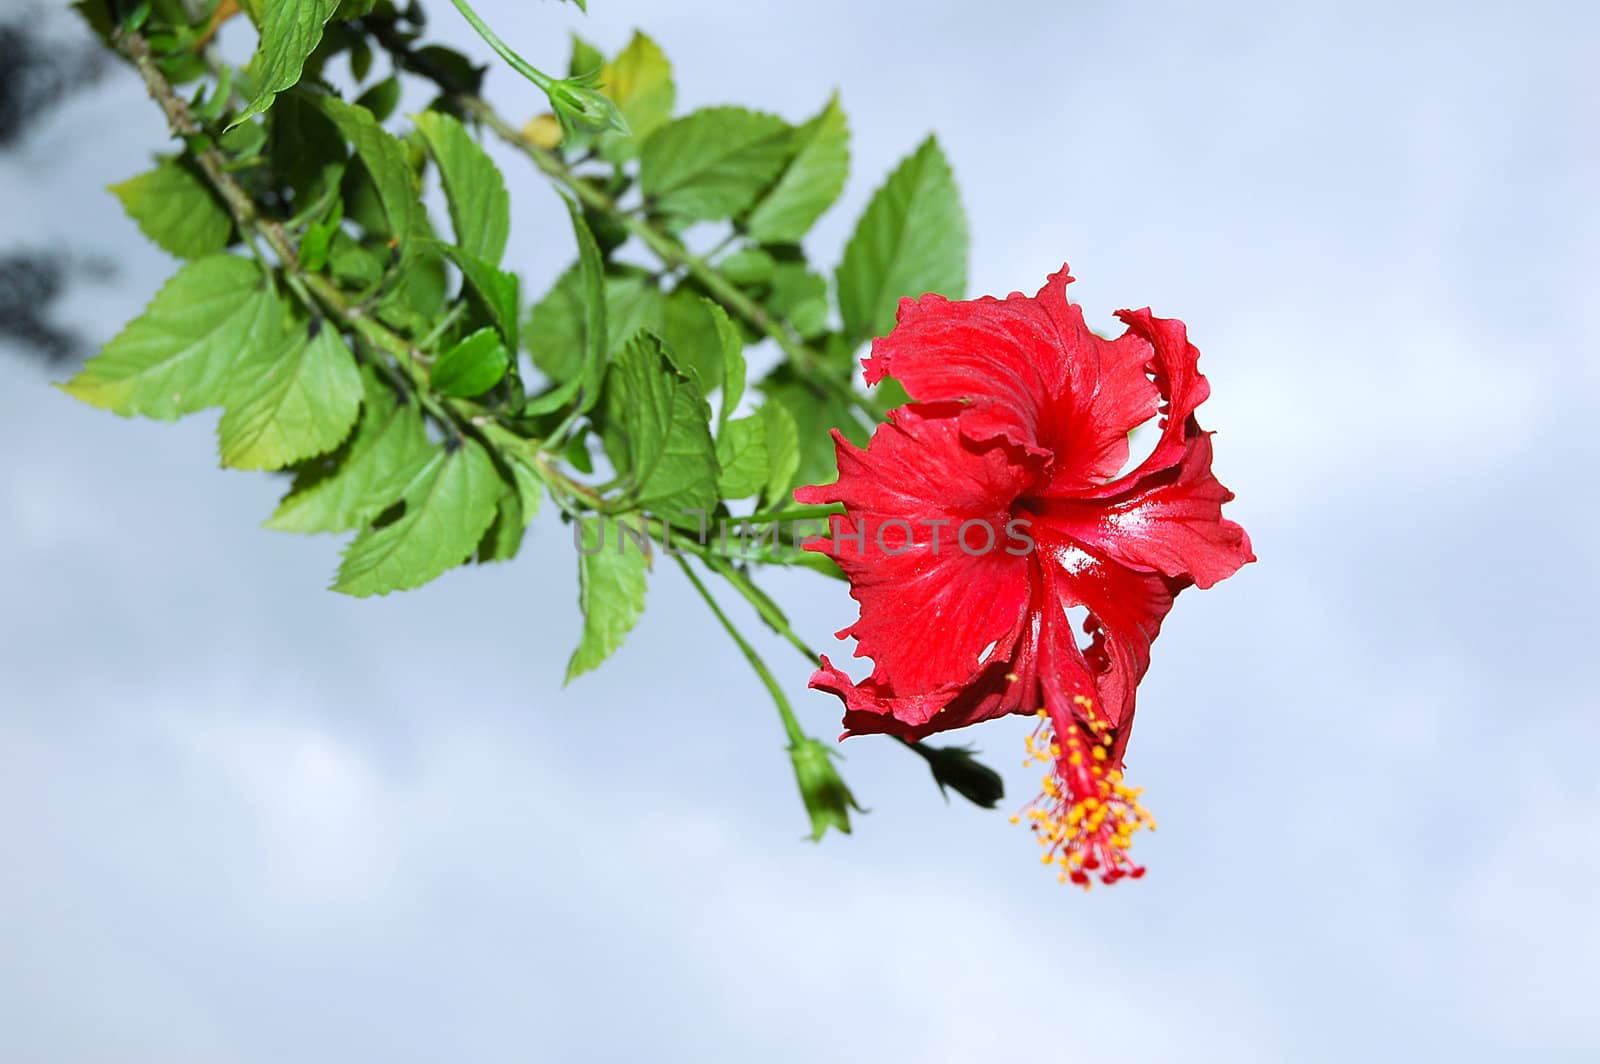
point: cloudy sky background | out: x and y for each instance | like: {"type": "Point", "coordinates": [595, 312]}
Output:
{"type": "Point", "coordinates": [243, 819]}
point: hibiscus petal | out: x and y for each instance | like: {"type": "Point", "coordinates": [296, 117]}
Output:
{"type": "Point", "coordinates": [1170, 522]}
{"type": "Point", "coordinates": [941, 588]}
{"type": "Point", "coordinates": [1126, 608]}
{"type": "Point", "coordinates": [1182, 387]}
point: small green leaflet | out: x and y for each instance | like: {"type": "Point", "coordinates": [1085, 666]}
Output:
{"type": "Point", "coordinates": [480, 207]}
{"type": "Point", "coordinates": [712, 163]}
{"type": "Point", "coordinates": [352, 486]}
{"type": "Point", "coordinates": [612, 571]}
{"type": "Point", "coordinates": [911, 240]}
{"type": "Point", "coordinates": [758, 455]}
{"type": "Point", "coordinates": [291, 404]}
{"type": "Point", "coordinates": [385, 160]}
{"type": "Point", "coordinates": [639, 81]}
{"type": "Point", "coordinates": [657, 432]}
{"type": "Point", "coordinates": [810, 183]}
{"type": "Point", "coordinates": [382, 98]}
{"type": "Point", "coordinates": [800, 297]}
{"type": "Point", "coordinates": [176, 210]}
{"type": "Point", "coordinates": [290, 32]}
{"type": "Point", "coordinates": [742, 454]}
{"type": "Point", "coordinates": [449, 504]}
{"type": "Point", "coordinates": [472, 366]}
{"type": "Point", "coordinates": [174, 359]}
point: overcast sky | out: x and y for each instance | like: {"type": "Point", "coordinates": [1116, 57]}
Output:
{"type": "Point", "coordinates": [244, 819]}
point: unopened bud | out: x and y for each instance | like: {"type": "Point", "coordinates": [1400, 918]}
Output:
{"type": "Point", "coordinates": [582, 107]}
{"type": "Point", "coordinates": [954, 767]}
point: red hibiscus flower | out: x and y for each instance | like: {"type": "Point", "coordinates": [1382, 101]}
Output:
{"type": "Point", "coordinates": [984, 509]}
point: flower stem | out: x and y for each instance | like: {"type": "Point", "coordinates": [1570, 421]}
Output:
{"type": "Point", "coordinates": [504, 50]}
{"type": "Point", "coordinates": [791, 725]}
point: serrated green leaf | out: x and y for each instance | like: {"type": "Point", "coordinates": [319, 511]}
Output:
{"type": "Point", "coordinates": [449, 504]}
{"type": "Point", "coordinates": [742, 454]}
{"type": "Point", "coordinates": [612, 572]}
{"type": "Point", "coordinates": [712, 163]}
{"type": "Point", "coordinates": [911, 240]}
{"type": "Point", "coordinates": [351, 487]}
{"type": "Point", "coordinates": [290, 32]}
{"type": "Point", "coordinates": [385, 160]}
{"type": "Point", "coordinates": [472, 366]}
{"type": "Point", "coordinates": [657, 431]}
{"type": "Point", "coordinates": [306, 149]}
{"type": "Point", "coordinates": [810, 183]}
{"type": "Point", "coordinates": [480, 207]}
{"type": "Point", "coordinates": [291, 404]}
{"type": "Point", "coordinates": [639, 81]}
{"type": "Point", "coordinates": [176, 210]}
{"type": "Point", "coordinates": [174, 359]}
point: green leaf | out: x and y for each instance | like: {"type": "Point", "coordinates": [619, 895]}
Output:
{"type": "Point", "coordinates": [174, 359]}
{"type": "Point", "coordinates": [472, 366]}
{"type": "Point", "coordinates": [450, 502]}
{"type": "Point", "coordinates": [733, 364]}
{"type": "Point", "coordinates": [498, 289]}
{"type": "Point", "coordinates": [586, 59]}
{"type": "Point", "coordinates": [291, 404]}
{"type": "Point", "coordinates": [306, 149]}
{"type": "Point", "coordinates": [742, 454]}
{"type": "Point", "coordinates": [352, 486]}
{"type": "Point", "coordinates": [783, 452]}
{"type": "Point", "coordinates": [558, 336]}
{"type": "Point", "coordinates": [810, 183]}
{"type": "Point", "coordinates": [690, 329]}
{"type": "Point", "coordinates": [596, 329]}
{"type": "Point", "coordinates": [639, 80]}
{"type": "Point", "coordinates": [504, 537]}
{"type": "Point", "coordinates": [657, 431]}
{"type": "Point", "coordinates": [382, 98]}
{"type": "Point", "coordinates": [480, 207]}
{"type": "Point", "coordinates": [814, 411]}
{"type": "Point", "coordinates": [750, 266]}
{"type": "Point", "coordinates": [712, 163]}
{"type": "Point", "coordinates": [800, 297]}
{"type": "Point", "coordinates": [290, 32]}
{"type": "Point", "coordinates": [385, 160]}
{"type": "Point", "coordinates": [176, 210]}
{"type": "Point", "coordinates": [911, 240]}
{"type": "Point", "coordinates": [611, 586]}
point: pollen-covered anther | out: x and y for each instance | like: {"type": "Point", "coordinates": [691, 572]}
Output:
{"type": "Point", "coordinates": [1085, 815]}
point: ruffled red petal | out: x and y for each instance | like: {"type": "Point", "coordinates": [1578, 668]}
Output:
{"type": "Point", "coordinates": [1170, 521]}
{"type": "Point", "coordinates": [924, 543]}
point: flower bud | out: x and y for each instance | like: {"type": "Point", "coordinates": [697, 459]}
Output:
{"type": "Point", "coordinates": [955, 767]}
{"type": "Point", "coordinates": [828, 800]}
{"type": "Point", "coordinates": [583, 108]}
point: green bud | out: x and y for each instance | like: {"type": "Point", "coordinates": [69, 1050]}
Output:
{"type": "Point", "coordinates": [828, 800]}
{"type": "Point", "coordinates": [583, 108]}
{"type": "Point", "coordinates": [955, 768]}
